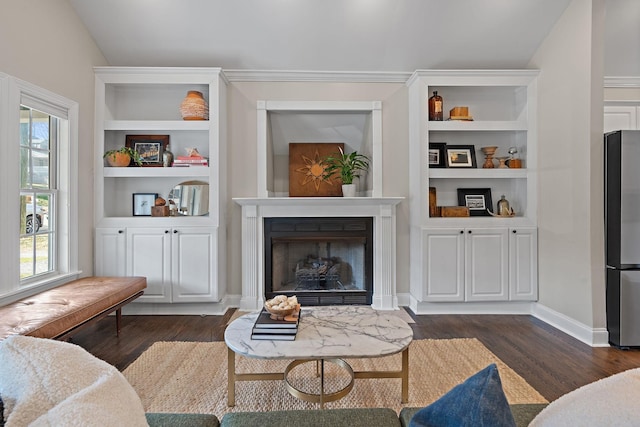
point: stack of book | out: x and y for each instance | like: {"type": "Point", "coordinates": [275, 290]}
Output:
{"type": "Point", "coordinates": [187, 161]}
{"type": "Point", "coordinates": [267, 328]}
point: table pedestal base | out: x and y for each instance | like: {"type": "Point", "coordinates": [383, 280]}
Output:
{"type": "Point", "coordinates": [321, 398]}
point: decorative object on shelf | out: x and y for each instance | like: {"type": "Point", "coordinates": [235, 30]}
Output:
{"type": "Point", "coordinates": [454, 211]}
{"type": "Point", "coordinates": [193, 158]}
{"type": "Point", "coordinates": [478, 200]}
{"type": "Point", "coordinates": [461, 156]}
{"type": "Point", "coordinates": [189, 198]}
{"type": "Point", "coordinates": [435, 107]}
{"type": "Point", "coordinates": [348, 166]}
{"type": "Point", "coordinates": [488, 156]}
{"type": "Point", "coordinates": [503, 162]}
{"type": "Point", "coordinates": [437, 154]}
{"type": "Point", "coordinates": [167, 157]}
{"type": "Point", "coordinates": [149, 147]}
{"type": "Point", "coordinates": [143, 202]}
{"type": "Point", "coordinates": [433, 204]}
{"type": "Point", "coordinates": [460, 113]}
{"type": "Point", "coordinates": [504, 210]}
{"type": "Point", "coordinates": [308, 166]}
{"type": "Point", "coordinates": [122, 157]}
{"type": "Point", "coordinates": [194, 106]}
{"type": "Point", "coordinates": [160, 208]}
{"type": "Point", "coordinates": [514, 162]}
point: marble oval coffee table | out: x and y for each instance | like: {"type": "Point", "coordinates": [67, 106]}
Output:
{"type": "Point", "coordinates": [325, 334]}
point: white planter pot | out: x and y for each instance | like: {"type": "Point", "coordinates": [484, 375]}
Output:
{"type": "Point", "coordinates": [348, 190]}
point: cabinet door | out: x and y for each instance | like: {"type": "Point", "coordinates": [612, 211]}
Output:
{"type": "Point", "coordinates": [194, 264]}
{"type": "Point", "coordinates": [620, 118]}
{"type": "Point", "coordinates": [486, 264]}
{"type": "Point", "coordinates": [149, 255]}
{"type": "Point", "coordinates": [523, 264]}
{"type": "Point", "coordinates": [443, 251]}
{"type": "Point", "coordinates": [110, 257]}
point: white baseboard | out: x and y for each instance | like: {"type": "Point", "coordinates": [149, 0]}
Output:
{"type": "Point", "coordinates": [595, 337]}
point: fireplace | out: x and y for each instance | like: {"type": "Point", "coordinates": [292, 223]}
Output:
{"type": "Point", "coordinates": [323, 261]}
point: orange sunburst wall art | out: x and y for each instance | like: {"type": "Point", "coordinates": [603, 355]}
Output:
{"type": "Point", "coordinates": [306, 170]}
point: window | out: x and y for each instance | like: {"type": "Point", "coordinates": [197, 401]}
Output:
{"type": "Point", "coordinates": [38, 143]}
{"type": "Point", "coordinates": [38, 173]}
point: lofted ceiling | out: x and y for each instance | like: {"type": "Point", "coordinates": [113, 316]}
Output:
{"type": "Point", "coordinates": [320, 35]}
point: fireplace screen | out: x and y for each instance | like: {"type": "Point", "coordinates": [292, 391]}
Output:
{"type": "Point", "coordinates": [321, 260]}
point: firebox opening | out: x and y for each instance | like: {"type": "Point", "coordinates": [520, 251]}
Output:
{"type": "Point", "coordinates": [320, 260]}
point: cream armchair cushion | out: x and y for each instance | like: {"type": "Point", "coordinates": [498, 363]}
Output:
{"type": "Point", "coordinates": [45, 382]}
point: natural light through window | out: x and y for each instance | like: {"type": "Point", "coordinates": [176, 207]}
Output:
{"type": "Point", "coordinates": [38, 142]}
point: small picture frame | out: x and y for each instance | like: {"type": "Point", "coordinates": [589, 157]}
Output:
{"type": "Point", "coordinates": [437, 154]}
{"type": "Point", "coordinates": [478, 200]}
{"type": "Point", "coordinates": [461, 156]}
{"type": "Point", "coordinates": [150, 147]}
{"type": "Point", "coordinates": [142, 203]}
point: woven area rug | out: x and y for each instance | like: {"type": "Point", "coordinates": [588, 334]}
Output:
{"type": "Point", "coordinates": [192, 377]}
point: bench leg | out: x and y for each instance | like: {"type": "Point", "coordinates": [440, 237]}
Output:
{"type": "Point", "coordinates": [118, 320]}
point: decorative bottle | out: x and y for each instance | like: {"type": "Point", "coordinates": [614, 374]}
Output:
{"type": "Point", "coordinates": [167, 158]}
{"type": "Point", "coordinates": [194, 106]}
{"type": "Point", "coordinates": [503, 207]}
{"type": "Point", "coordinates": [435, 107]}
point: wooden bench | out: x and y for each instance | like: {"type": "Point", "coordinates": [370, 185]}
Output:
{"type": "Point", "coordinates": [59, 312]}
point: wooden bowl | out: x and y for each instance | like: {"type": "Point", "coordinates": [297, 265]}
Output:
{"type": "Point", "coordinates": [277, 314]}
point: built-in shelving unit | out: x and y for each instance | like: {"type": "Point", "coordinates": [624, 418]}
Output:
{"type": "Point", "coordinates": [181, 256]}
{"type": "Point", "coordinates": [477, 258]}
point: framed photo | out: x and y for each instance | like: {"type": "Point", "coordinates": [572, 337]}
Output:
{"type": "Point", "coordinates": [437, 155]}
{"type": "Point", "coordinates": [142, 203]}
{"type": "Point", "coordinates": [150, 147]}
{"type": "Point", "coordinates": [478, 200]}
{"type": "Point", "coordinates": [461, 156]}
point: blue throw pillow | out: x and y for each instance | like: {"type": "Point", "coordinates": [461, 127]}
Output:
{"type": "Point", "coordinates": [477, 402]}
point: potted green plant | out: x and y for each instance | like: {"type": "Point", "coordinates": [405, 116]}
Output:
{"type": "Point", "coordinates": [349, 166]}
{"type": "Point", "coordinates": [122, 157]}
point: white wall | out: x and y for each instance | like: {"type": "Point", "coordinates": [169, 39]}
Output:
{"type": "Point", "coordinates": [242, 134]}
{"type": "Point", "coordinates": [44, 43]}
{"type": "Point", "coordinates": [622, 38]}
{"type": "Point", "coordinates": [571, 260]}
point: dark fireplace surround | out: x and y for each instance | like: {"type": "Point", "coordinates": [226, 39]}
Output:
{"type": "Point", "coordinates": [323, 261]}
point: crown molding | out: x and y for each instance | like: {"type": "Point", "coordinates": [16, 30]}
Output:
{"type": "Point", "coordinates": [316, 76]}
{"type": "Point", "coordinates": [618, 81]}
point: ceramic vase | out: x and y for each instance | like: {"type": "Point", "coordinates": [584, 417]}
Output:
{"type": "Point", "coordinates": [118, 160]}
{"type": "Point", "coordinates": [194, 106]}
{"type": "Point", "coordinates": [348, 190]}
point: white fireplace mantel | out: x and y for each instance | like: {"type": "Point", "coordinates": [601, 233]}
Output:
{"type": "Point", "coordinates": [382, 209]}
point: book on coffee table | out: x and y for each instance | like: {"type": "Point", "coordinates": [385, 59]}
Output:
{"type": "Point", "coordinates": [275, 337]}
{"type": "Point", "coordinates": [264, 321]}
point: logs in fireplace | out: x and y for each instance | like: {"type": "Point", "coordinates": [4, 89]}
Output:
{"type": "Point", "coordinates": [323, 261]}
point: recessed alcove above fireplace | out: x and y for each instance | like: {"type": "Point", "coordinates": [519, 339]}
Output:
{"type": "Point", "coordinates": [356, 124]}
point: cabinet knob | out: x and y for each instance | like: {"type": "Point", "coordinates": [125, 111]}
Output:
{"type": "Point", "coordinates": [120, 231]}
{"type": "Point", "coordinates": [514, 231]}
{"type": "Point", "coordinates": [461, 231]}
{"type": "Point", "coordinates": [469, 231]}
{"type": "Point", "coordinates": [166, 231]}
{"type": "Point", "coordinates": [175, 231]}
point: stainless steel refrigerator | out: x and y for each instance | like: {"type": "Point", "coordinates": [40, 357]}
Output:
{"type": "Point", "coordinates": [622, 236]}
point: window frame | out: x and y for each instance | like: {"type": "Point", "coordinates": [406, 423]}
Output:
{"type": "Point", "coordinates": [13, 93]}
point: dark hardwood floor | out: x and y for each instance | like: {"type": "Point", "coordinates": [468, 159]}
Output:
{"type": "Point", "coordinates": [551, 361]}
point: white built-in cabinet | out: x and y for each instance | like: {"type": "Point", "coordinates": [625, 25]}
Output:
{"type": "Point", "coordinates": [477, 258]}
{"type": "Point", "coordinates": [182, 257]}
